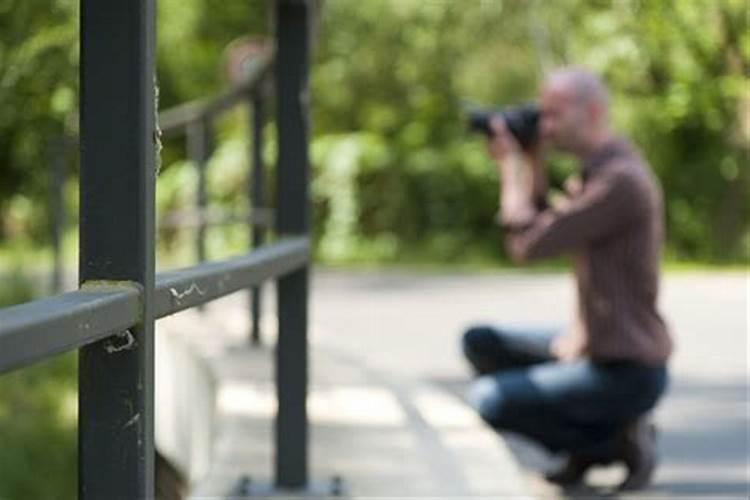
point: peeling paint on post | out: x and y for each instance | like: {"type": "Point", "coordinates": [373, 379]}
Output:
{"type": "Point", "coordinates": [178, 296]}
{"type": "Point", "coordinates": [124, 341]}
{"type": "Point", "coordinates": [116, 374]}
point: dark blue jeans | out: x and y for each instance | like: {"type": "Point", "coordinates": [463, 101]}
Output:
{"type": "Point", "coordinates": [576, 407]}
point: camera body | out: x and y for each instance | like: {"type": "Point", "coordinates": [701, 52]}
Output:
{"type": "Point", "coordinates": [522, 121]}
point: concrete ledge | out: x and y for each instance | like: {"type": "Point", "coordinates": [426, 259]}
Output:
{"type": "Point", "coordinates": [185, 408]}
{"type": "Point", "coordinates": [372, 434]}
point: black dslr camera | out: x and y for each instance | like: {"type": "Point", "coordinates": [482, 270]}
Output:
{"type": "Point", "coordinates": [522, 121]}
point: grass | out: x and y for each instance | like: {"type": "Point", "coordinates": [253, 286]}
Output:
{"type": "Point", "coordinates": [677, 266]}
{"type": "Point", "coordinates": [37, 419]}
{"type": "Point", "coordinates": [476, 259]}
{"type": "Point", "coordinates": [479, 259]}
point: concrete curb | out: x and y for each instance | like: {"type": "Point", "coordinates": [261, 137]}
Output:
{"type": "Point", "coordinates": [384, 436]}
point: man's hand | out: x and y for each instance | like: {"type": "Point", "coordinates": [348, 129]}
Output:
{"type": "Point", "coordinates": [567, 347]}
{"type": "Point", "coordinates": [501, 143]}
{"type": "Point", "coordinates": [572, 187]}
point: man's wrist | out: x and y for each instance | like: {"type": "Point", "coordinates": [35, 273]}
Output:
{"type": "Point", "coordinates": [516, 212]}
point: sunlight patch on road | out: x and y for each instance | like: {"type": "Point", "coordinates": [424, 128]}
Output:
{"type": "Point", "coordinates": [352, 405]}
{"type": "Point", "coordinates": [443, 411]}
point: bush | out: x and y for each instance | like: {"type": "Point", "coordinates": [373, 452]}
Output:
{"type": "Point", "coordinates": [37, 420]}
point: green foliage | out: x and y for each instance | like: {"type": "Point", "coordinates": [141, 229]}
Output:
{"type": "Point", "coordinates": [37, 420]}
{"type": "Point", "coordinates": [394, 167]}
{"type": "Point", "coordinates": [191, 37]}
{"type": "Point", "coordinates": [38, 87]}
{"type": "Point", "coordinates": [37, 431]}
{"type": "Point", "coordinates": [390, 76]}
{"type": "Point", "coordinates": [389, 79]}
{"type": "Point", "coordinates": [15, 289]}
{"type": "Point", "coordinates": [681, 91]}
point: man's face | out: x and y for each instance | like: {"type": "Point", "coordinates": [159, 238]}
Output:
{"type": "Point", "coordinates": [562, 118]}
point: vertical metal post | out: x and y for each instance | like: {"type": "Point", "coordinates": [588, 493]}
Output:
{"type": "Point", "coordinates": [292, 205]}
{"type": "Point", "coordinates": [199, 144]}
{"type": "Point", "coordinates": [57, 156]}
{"type": "Point", "coordinates": [257, 199]}
{"type": "Point", "coordinates": [116, 375]}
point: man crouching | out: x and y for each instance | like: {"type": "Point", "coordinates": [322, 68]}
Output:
{"type": "Point", "coordinates": [584, 392]}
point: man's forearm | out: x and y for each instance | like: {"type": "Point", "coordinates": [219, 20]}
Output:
{"type": "Point", "coordinates": [516, 191]}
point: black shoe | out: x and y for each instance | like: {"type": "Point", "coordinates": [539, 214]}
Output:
{"type": "Point", "coordinates": [572, 473]}
{"type": "Point", "coordinates": [639, 454]}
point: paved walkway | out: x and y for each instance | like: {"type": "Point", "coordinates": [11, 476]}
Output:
{"type": "Point", "coordinates": [410, 325]}
{"type": "Point", "coordinates": [390, 340]}
{"type": "Point", "coordinates": [382, 435]}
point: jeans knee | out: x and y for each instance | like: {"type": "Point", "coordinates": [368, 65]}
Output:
{"type": "Point", "coordinates": [485, 396]}
{"type": "Point", "coordinates": [476, 339]}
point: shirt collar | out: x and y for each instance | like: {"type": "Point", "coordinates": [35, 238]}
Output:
{"type": "Point", "coordinates": [600, 157]}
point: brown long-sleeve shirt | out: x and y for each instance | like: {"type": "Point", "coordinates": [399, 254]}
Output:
{"type": "Point", "coordinates": [614, 229]}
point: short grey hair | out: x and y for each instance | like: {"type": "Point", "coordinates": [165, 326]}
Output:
{"type": "Point", "coordinates": [586, 85]}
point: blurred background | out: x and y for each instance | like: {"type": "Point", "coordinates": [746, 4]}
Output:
{"type": "Point", "coordinates": [397, 181]}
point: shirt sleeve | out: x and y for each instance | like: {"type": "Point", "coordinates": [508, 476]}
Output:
{"type": "Point", "coordinates": [607, 202]}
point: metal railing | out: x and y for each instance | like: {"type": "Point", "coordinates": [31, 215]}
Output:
{"type": "Point", "coordinates": [110, 319]}
{"type": "Point", "coordinates": [195, 120]}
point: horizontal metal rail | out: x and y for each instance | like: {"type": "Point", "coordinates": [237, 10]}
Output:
{"type": "Point", "coordinates": [174, 119]}
{"type": "Point", "coordinates": [262, 218]}
{"type": "Point", "coordinates": [36, 330]}
{"type": "Point", "coordinates": [115, 308]}
{"type": "Point", "coordinates": [193, 286]}
{"type": "Point", "coordinates": [43, 328]}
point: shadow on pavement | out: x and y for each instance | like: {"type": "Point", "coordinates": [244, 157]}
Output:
{"type": "Point", "coordinates": [703, 444]}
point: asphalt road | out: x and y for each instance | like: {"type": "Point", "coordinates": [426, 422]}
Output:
{"type": "Point", "coordinates": [409, 324]}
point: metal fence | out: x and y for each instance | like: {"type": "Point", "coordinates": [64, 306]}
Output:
{"type": "Point", "coordinates": [196, 120]}
{"type": "Point", "coordinates": [110, 318]}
